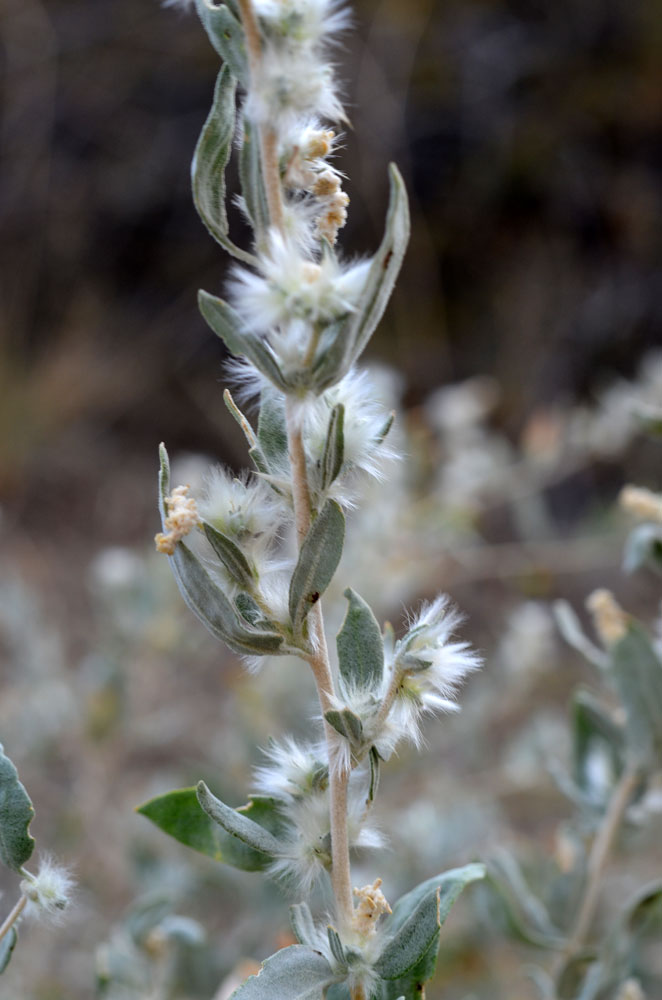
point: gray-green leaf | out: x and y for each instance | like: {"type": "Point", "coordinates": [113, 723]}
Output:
{"type": "Point", "coordinates": [294, 973]}
{"type": "Point", "coordinates": [348, 724]}
{"type": "Point", "coordinates": [227, 324]}
{"type": "Point", "coordinates": [272, 431]}
{"type": "Point", "coordinates": [7, 946]}
{"type": "Point", "coordinates": [252, 183]}
{"type": "Point", "coordinates": [205, 598]}
{"type": "Point", "coordinates": [334, 447]}
{"type": "Point", "coordinates": [412, 940]}
{"type": "Point", "coordinates": [643, 548]}
{"type": "Point", "coordinates": [16, 812]}
{"type": "Point", "coordinates": [210, 160]}
{"type": "Point", "coordinates": [637, 673]}
{"type": "Point", "coordinates": [230, 555]}
{"type": "Point", "coordinates": [360, 646]}
{"type": "Point", "coordinates": [226, 35]}
{"type": "Point", "coordinates": [335, 359]}
{"type": "Point", "coordinates": [302, 923]}
{"type": "Point", "coordinates": [318, 559]}
{"type": "Point", "coordinates": [237, 824]}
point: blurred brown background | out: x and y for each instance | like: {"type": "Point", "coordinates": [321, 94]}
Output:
{"type": "Point", "coordinates": [530, 137]}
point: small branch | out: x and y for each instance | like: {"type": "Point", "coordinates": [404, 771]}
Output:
{"type": "Point", "coordinates": [320, 666]}
{"type": "Point", "coordinates": [13, 916]}
{"type": "Point", "coordinates": [600, 851]}
{"type": "Point", "coordinates": [268, 138]}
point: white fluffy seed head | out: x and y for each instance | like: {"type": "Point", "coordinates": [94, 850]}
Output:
{"type": "Point", "coordinates": [49, 892]}
{"type": "Point", "coordinates": [293, 288]}
{"type": "Point", "coordinates": [243, 508]}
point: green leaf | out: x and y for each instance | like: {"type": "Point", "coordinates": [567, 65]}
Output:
{"type": "Point", "coordinates": [431, 899]}
{"type": "Point", "coordinates": [249, 433]}
{"type": "Point", "coordinates": [272, 431]}
{"type": "Point", "coordinates": [180, 815]}
{"type": "Point", "coordinates": [16, 812]}
{"type": "Point", "coordinates": [226, 35]}
{"type": "Point", "coordinates": [252, 183]}
{"type": "Point", "coordinates": [526, 915]}
{"type": "Point", "coordinates": [348, 725]}
{"type": "Point", "coordinates": [237, 824]}
{"type": "Point", "coordinates": [643, 548]}
{"type": "Point", "coordinates": [637, 673]}
{"type": "Point", "coordinates": [7, 945]}
{"type": "Point", "coordinates": [205, 598]}
{"type": "Point", "coordinates": [335, 360]}
{"type": "Point", "coordinates": [210, 159]}
{"type": "Point", "coordinates": [294, 973]}
{"type": "Point", "coordinates": [318, 559]}
{"type": "Point", "coordinates": [230, 555]}
{"type": "Point", "coordinates": [414, 937]}
{"type": "Point", "coordinates": [374, 773]}
{"type": "Point", "coordinates": [227, 324]}
{"type": "Point", "coordinates": [334, 447]}
{"type": "Point", "coordinates": [214, 610]}
{"type": "Point", "coordinates": [336, 946]}
{"type": "Point", "coordinates": [595, 733]}
{"type": "Point", "coordinates": [302, 923]}
{"type": "Point", "coordinates": [360, 646]}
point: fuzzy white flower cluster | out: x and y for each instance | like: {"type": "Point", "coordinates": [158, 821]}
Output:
{"type": "Point", "coordinates": [423, 672]}
{"type": "Point", "coordinates": [297, 777]}
{"type": "Point", "coordinates": [296, 78]}
{"type": "Point", "coordinates": [48, 892]}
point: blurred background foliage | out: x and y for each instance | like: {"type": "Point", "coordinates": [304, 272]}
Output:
{"type": "Point", "coordinates": [530, 135]}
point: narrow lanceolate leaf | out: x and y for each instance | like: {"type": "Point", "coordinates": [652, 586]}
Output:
{"type": "Point", "coordinates": [318, 560]}
{"type": "Point", "coordinates": [214, 610]}
{"type": "Point", "coordinates": [227, 324]}
{"type": "Point", "coordinates": [353, 334]}
{"type": "Point", "coordinates": [596, 735]}
{"type": "Point", "coordinates": [16, 812]}
{"type": "Point", "coordinates": [210, 160]}
{"type": "Point", "coordinates": [413, 939]}
{"type": "Point", "coordinates": [180, 815]}
{"type": "Point", "coordinates": [335, 944]}
{"type": "Point", "coordinates": [374, 774]}
{"type": "Point", "coordinates": [7, 945]}
{"type": "Point", "coordinates": [240, 826]}
{"type": "Point", "coordinates": [360, 646]}
{"type": "Point", "coordinates": [230, 555]}
{"type": "Point", "coordinates": [294, 973]}
{"type": "Point", "coordinates": [637, 673]}
{"type": "Point", "coordinates": [302, 923]}
{"type": "Point", "coordinates": [250, 177]}
{"type": "Point", "coordinates": [272, 431]}
{"type": "Point", "coordinates": [226, 35]}
{"type": "Point", "coordinates": [347, 724]}
{"type": "Point", "coordinates": [205, 598]}
{"type": "Point", "coordinates": [334, 447]}
{"type": "Point", "coordinates": [441, 891]}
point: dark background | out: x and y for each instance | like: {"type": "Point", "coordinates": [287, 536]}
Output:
{"type": "Point", "coordinates": [530, 136]}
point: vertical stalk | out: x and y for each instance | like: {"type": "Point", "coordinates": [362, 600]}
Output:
{"type": "Point", "coordinates": [319, 663]}
{"type": "Point", "coordinates": [13, 916]}
{"type": "Point", "coordinates": [598, 858]}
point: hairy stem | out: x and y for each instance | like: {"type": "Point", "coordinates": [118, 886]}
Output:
{"type": "Point", "coordinates": [319, 663]}
{"type": "Point", "coordinates": [598, 858]}
{"type": "Point", "coordinates": [268, 138]}
{"type": "Point", "coordinates": [13, 916]}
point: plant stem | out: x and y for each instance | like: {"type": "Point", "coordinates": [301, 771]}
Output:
{"type": "Point", "coordinates": [600, 851]}
{"type": "Point", "coordinates": [319, 663]}
{"type": "Point", "coordinates": [13, 916]}
{"type": "Point", "coordinates": [268, 138]}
